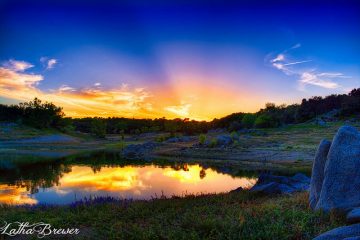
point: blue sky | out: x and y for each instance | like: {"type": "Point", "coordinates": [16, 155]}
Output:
{"type": "Point", "coordinates": [178, 59]}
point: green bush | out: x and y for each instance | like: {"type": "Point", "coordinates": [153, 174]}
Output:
{"type": "Point", "coordinates": [213, 143]}
{"type": "Point", "coordinates": [265, 121]}
{"type": "Point", "coordinates": [202, 138]}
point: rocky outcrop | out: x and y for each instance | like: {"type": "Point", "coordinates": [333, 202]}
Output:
{"type": "Point", "coordinates": [139, 151]}
{"type": "Point", "coordinates": [317, 175]}
{"type": "Point", "coordinates": [271, 184]}
{"type": "Point", "coordinates": [341, 185]}
{"type": "Point", "coordinates": [341, 233]}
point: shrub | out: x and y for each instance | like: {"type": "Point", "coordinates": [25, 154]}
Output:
{"type": "Point", "coordinates": [202, 138]}
{"type": "Point", "coordinates": [213, 142]}
{"type": "Point", "coordinates": [264, 121]}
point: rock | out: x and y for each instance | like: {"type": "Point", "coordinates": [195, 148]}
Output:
{"type": "Point", "coordinates": [353, 216]}
{"type": "Point", "coordinates": [273, 188]}
{"type": "Point", "coordinates": [317, 175]}
{"type": "Point", "coordinates": [224, 140]}
{"type": "Point", "coordinates": [139, 151]}
{"type": "Point", "coordinates": [271, 184]}
{"type": "Point", "coordinates": [346, 232]}
{"type": "Point", "coordinates": [340, 189]}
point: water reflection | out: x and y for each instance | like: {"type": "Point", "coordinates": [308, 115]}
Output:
{"type": "Point", "coordinates": [69, 180]}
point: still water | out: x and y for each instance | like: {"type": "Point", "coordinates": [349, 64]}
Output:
{"type": "Point", "coordinates": [66, 181]}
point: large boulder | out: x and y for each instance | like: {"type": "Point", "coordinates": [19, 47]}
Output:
{"type": "Point", "coordinates": [317, 175]}
{"type": "Point", "coordinates": [341, 233]}
{"type": "Point", "coordinates": [341, 185]}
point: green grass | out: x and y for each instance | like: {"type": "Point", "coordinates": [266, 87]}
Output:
{"type": "Point", "coordinates": [242, 215]}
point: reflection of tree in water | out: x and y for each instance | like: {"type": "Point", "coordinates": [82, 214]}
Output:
{"type": "Point", "coordinates": [48, 174]}
{"type": "Point", "coordinates": [202, 173]}
{"type": "Point", "coordinates": [36, 176]}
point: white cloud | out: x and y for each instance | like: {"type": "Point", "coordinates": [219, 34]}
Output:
{"type": "Point", "coordinates": [97, 84]}
{"type": "Point", "coordinates": [305, 76]}
{"type": "Point", "coordinates": [18, 66]}
{"type": "Point", "coordinates": [66, 88]}
{"type": "Point", "coordinates": [314, 79]}
{"type": "Point", "coordinates": [280, 57]}
{"type": "Point", "coordinates": [49, 63]}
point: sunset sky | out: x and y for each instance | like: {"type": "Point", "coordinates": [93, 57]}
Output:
{"type": "Point", "coordinates": [171, 59]}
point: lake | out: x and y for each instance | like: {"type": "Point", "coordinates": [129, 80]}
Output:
{"type": "Point", "coordinates": [102, 174]}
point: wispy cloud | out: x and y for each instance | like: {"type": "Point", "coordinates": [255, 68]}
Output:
{"type": "Point", "coordinates": [181, 110]}
{"type": "Point", "coordinates": [49, 63]}
{"type": "Point", "coordinates": [280, 57]}
{"type": "Point", "coordinates": [306, 76]}
{"type": "Point", "coordinates": [294, 63]}
{"type": "Point", "coordinates": [315, 79]}
{"type": "Point", "coordinates": [17, 66]}
{"type": "Point", "coordinates": [12, 76]}
{"type": "Point", "coordinates": [66, 88]}
{"type": "Point", "coordinates": [296, 46]}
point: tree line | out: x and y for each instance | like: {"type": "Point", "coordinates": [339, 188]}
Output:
{"type": "Point", "coordinates": [40, 114]}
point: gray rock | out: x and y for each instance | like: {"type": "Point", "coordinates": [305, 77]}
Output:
{"type": "Point", "coordinates": [353, 216]}
{"type": "Point", "coordinates": [271, 184]}
{"type": "Point", "coordinates": [341, 185]}
{"type": "Point", "coordinates": [273, 188]}
{"type": "Point", "coordinates": [317, 175]}
{"type": "Point", "coordinates": [341, 233]}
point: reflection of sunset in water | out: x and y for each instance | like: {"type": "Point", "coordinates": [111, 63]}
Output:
{"type": "Point", "coordinates": [15, 195]}
{"type": "Point", "coordinates": [138, 182]}
{"type": "Point", "coordinates": [108, 179]}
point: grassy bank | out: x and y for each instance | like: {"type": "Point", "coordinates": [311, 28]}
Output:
{"type": "Point", "coordinates": [241, 215]}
